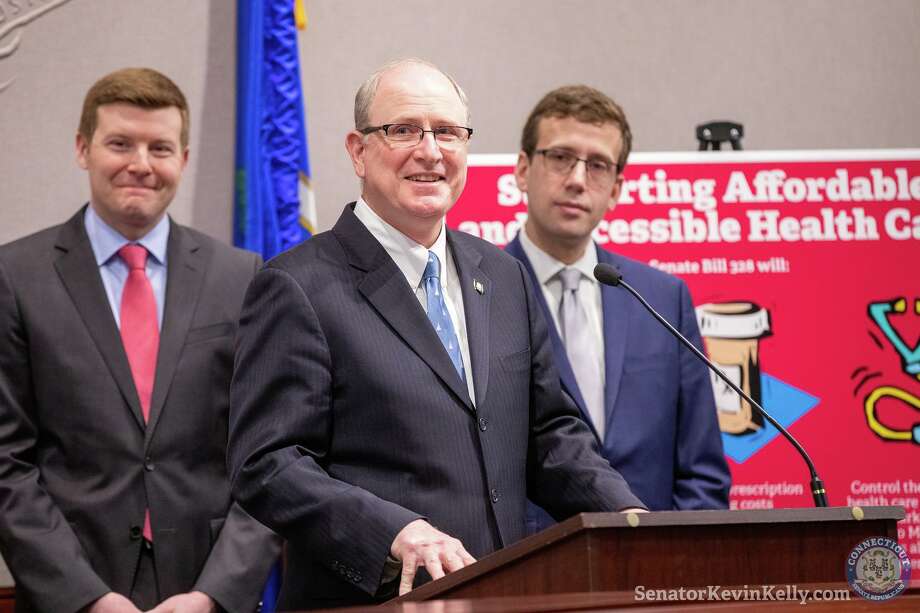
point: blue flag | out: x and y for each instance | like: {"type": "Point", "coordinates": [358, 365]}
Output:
{"type": "Point", "coordinates": [273, 202]}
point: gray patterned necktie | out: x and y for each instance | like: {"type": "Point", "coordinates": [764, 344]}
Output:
{"type": "Point", "coordinates": [438, 315]}
{"type": "Point", "coordinates": [580, 347]}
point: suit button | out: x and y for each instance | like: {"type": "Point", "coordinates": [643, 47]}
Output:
{"type": "Point", "coordinates": [148, 464]}
{"type": "Point", "coordinates": [483, 424]}
{"type": "Point", "coordinates": [495, 495]}
{"type": "Point", "coordinates": [135, 532]}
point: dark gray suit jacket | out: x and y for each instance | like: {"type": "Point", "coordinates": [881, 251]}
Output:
{"type": "Point", "coordinates": [348, 419]}
{"type": "Point", "coordinates": [77, 464]}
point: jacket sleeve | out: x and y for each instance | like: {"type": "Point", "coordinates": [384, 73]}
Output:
{"type": "Point", "coordinates": [280, 431]}
{"type": "Point", "coordinates": [701, 479]}
{"type": "Point", "coordinates": [43, 552]}
{"type": "Point", "coordinates": [239, 562]}
{"type": "Point", "coordinates": [238, 565]}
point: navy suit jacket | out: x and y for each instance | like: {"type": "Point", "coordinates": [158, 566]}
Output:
{"type": "Point", "coordinates": [348, 419]}
{"type": "Point", "coordinates": [662, 430]}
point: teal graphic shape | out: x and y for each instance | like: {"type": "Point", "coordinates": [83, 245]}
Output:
{"type": "Point", "coordinates": [784, 402]}
{"type": "Point", "coordinates": [879, 312]}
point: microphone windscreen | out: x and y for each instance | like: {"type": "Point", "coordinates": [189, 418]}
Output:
{"type": "Point", "coordinates": [607, 274]}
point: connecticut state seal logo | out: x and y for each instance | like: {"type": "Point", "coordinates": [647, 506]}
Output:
{"type": "Point", "coordinates": [878, 568]}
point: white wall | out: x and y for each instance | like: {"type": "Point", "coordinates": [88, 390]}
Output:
{"type": "Point", "coordinates": [799, 74]}
{"type": "Point", "coordinates": [62, 52]}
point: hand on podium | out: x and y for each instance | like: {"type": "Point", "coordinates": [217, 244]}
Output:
{"type": "Point", "coordinates": [421, 544]}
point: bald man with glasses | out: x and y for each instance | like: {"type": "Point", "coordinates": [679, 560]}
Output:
{"type": "Point", "coordinates": [394, 401]}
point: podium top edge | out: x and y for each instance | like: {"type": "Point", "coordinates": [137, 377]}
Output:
{"type": "Point", "coordinates": [771, 516]}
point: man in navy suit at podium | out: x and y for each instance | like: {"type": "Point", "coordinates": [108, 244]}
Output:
{"type": "Point", "coordinates": [394, 402]}
{"type": "Point", "coordinates": [648, 400]}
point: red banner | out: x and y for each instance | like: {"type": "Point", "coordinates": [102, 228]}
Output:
{"type": "Point", "coordinates": [803, 267]}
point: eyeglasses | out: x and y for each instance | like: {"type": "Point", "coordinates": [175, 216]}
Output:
{"type": "Point", "coordinates": [599, 171]}
{"type": "Point", "coordinates": [409, 135]}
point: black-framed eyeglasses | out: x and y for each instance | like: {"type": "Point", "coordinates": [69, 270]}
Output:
{"type": "Point", "coordinates": [599, 171]}
{"type": "Point", "coordinates": [409, 135]}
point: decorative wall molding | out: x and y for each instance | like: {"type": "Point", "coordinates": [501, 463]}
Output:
{"type": "Point", "coordinates": [14, 15]}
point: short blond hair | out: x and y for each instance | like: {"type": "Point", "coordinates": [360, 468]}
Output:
{"type": "Point", "coordinates": [143, 87]}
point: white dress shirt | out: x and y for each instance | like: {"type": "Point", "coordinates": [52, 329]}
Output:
{"type": "Point", "coordinates": [547, 267]}
{"type": "Point", "coordinates": [411, 258]}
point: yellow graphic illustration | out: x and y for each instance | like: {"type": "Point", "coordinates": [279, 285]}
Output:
{"type": "Point", "coordinates": [879, 313]}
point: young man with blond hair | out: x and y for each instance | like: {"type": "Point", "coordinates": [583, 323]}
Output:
{"type": "Point", "coordinates": [116, 350]}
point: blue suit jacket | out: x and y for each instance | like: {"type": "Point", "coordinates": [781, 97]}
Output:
{"type": "Point", "coordinates": [662, 430]}
{"type": "Point", "coordinates": [348, 419]}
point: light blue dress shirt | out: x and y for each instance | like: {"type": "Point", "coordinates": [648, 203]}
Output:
{"type": "Point", "coordinates": [106, 241]}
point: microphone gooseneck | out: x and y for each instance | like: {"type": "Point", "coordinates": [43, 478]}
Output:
{"type": "Point", "coordinates": [610, 275]}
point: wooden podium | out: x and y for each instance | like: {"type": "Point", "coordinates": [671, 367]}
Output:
{"type": "Point", "coordinates": [613, 552]}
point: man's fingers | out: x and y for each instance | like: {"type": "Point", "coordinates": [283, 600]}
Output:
{"type": "Point", "coordinates": [407, 577]}
{"type": "Point", "coordinates": [457, 559]}
{"type": "Point", "coordinates": [466, 557]}
{"type": "Point", "coordinates": [420, 544]}
{"type": "Point", "coordinates": [453, 562]}
{"type": "Point", "coordinates": [434, 567]}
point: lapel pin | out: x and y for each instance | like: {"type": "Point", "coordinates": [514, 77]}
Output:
{"type": "Point", "coordinates": [477, 285]}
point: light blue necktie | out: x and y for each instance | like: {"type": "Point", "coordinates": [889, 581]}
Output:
{"type": "Point", "coordinates": [438, 315]}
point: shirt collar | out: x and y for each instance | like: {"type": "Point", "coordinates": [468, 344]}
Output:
{"type": "Point", "coordinates": [411, 258]}
{"type": "Point", "coordinates": [106, 240]}
{"type": "Point", "coordinates": [546, 266]}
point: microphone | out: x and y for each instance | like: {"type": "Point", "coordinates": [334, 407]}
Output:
{"type": "Point", "coordinates": [609, 275]}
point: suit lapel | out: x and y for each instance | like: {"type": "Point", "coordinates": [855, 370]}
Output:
{"type": "Point", "coordinates": [476, 303]}
{"type": "Point", "coordinates": [616, 307]}
{"type": "Point", "coordinates": [566, 375]}
{"type": "Point", "coordinates": [185, 265]}
{"type": "Point", "coordinates": [80, 275]}
{"type": "Point", "coordinates": [385, 288]}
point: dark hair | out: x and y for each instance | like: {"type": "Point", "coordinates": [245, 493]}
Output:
{"type": "Point", "coordinates": [583, 103]}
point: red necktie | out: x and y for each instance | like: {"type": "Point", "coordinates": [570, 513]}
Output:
{"type": "Point", "coordinates": [140, 332]}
